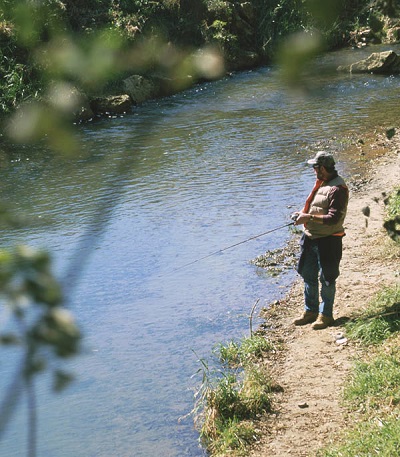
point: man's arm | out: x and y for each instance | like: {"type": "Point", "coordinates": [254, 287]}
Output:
{"type": "Point", "coordinates": [338, 198]}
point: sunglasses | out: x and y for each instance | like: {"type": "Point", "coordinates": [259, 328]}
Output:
{"type": "Point", "coordinates": [316, 167]}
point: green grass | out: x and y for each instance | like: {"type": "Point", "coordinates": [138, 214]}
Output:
{"type": "Point", "coordinates": [247, 350]}
{"type": "Point", "coordinates": [376, 383]}
{"type": "Point", "coordinates": [255, 391]}
{"type": "Point", "coordinates": [232, 398]}
{"type": "Point", "coordinates": [393, 204]}
{"type": "Point", "coordinates": [373, 388]}
{"type": "Point", "coordinates": [380, 320]}
{"type": "Point", "coordinates": [392, 222]}
{"type": "Point", "coordinates": [235, 436]}
{"type": "Point", "coordinates": [370, 439]}
{"type": "Point", "coordinates": [230, 407]}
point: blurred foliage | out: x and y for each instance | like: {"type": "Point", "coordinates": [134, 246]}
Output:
{"type": "Point", "coordinates": [26, 279]}
{"type": "Point", "coordinates": [35, 324]}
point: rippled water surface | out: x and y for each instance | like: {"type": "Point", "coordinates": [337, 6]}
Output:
{"type": "Point", "coordinates": [175, 180]}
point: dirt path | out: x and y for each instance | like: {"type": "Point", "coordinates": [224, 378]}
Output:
{"type": "Point", "coordinates": [314, 366]}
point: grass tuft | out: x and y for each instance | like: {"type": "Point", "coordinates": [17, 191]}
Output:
{"type": "Point", "coordinates": [235, 436]}
{"type": "Point", "coordinates": [380, 320]}
{"type": "Point", "coordinates": [229, 400]}
{"type": "Point", "coordinates": [247, 350]}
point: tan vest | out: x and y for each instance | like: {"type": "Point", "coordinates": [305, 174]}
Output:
{"type": "Point", "coordinates": [320, 205]}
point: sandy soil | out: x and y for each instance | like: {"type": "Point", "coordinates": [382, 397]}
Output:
{"type": "Point", "coordinates": [313, 366]}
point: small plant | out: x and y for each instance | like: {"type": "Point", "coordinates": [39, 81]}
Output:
{"type": "Point", "coordinates": [236, 435]}
{"type": "Point", "coordinates": [221, 35]}
{"type": "Point", "coordinates": [228, 406]}
{"type": "Point", "coordinates": [249, 349]}
{"type": "Point", "coordinates": [220, 8]}
{"type": "Point", "coordinates": [255, 348]}
{"type": "Point", "coordinates": [255, 391]}
{"type": "Point", "coordinates": [229, 354]}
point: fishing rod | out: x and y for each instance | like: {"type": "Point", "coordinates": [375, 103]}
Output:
{"type": "Point", "coordinates": [232, 246]}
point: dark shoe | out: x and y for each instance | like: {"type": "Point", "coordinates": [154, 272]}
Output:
{"type": "Point", "coordinates": [323, 322]}
{"type": "Point", "coordinates": [306, 318]}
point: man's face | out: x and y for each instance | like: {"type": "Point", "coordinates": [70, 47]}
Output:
{"type": "Point", "coordinates": [320, 171]}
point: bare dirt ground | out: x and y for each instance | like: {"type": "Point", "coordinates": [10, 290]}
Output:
{"type": "Point", "coordinates": [313, 366]}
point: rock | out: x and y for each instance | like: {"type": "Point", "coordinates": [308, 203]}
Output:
{"type": "Point", "coordinates": [140, 88]}
{"type": "Point", "coordinates": [71, 102]}
{"type": "Point", "coordinates": [363, 37]}
{"type": "Point", "coordinates": [244, 60]}
{"type": "Point", "coordinates": [169, 86]}
{"type": "Point", "coordinates": [303, 405]}
{"type": "Point", "coordinates": [341, 341]}
{"type": "Point", "coordinates": [115, 104]}
{"type": "Point", "coordinates": [387, 62]}
{"type": "Point", "coordinates": [84, 112]}
{"type": "Point", "coordinates": [366, 36]}
{"type": "Point", "coordinates": [393, 35]}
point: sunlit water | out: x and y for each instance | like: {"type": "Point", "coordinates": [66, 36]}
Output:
{"type": "Point", "coordinates": [176, 180]}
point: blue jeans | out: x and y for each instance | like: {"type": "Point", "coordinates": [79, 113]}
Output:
{"type": "Point", "coordinates": [310, 271]}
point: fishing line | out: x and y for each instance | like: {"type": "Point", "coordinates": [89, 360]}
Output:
{"type": "Point", "coordinates": [229, 247]}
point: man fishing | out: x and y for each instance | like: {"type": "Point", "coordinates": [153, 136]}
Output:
{"type": "Point", "coordinates": [321, 243]}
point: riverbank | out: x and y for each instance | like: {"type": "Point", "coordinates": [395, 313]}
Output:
{"type": "Point", "coordinates": [313, 367]}
{"type": "Point", "coordinates": [151, 50]}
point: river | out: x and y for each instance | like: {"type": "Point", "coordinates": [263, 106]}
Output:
{"type": "Point", "coordinates": [149, 192]}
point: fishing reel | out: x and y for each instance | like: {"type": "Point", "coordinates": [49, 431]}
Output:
{"type": "Point", "coordinates": [294, 216]}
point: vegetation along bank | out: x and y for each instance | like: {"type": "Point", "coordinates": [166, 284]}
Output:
{"type": "Point", "coordinates": [92, 57]}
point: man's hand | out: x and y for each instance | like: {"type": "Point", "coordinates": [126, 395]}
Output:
{"type": "Point", "coordinates": [302, 218]}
